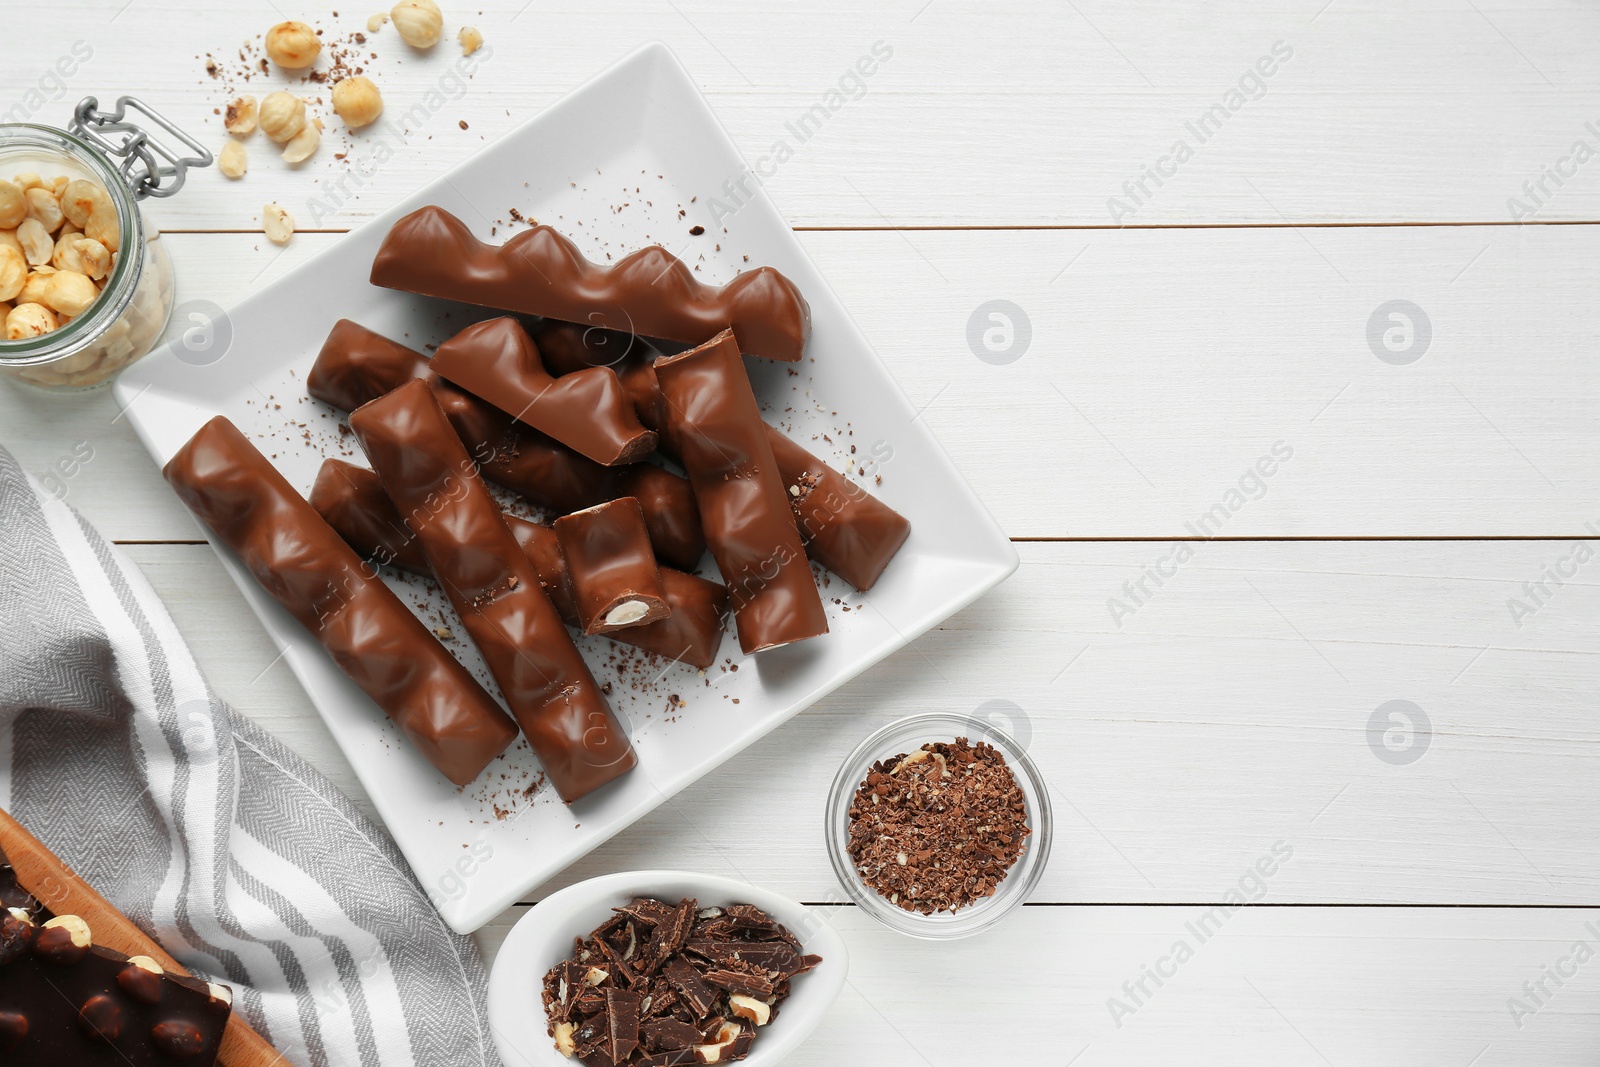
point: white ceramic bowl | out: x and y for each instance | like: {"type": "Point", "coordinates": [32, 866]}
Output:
{"type": "Point", "coordinates": [543, 938]}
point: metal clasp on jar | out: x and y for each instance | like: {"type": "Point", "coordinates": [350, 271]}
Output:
{"type": "Point", "coordinates": [148, 166]}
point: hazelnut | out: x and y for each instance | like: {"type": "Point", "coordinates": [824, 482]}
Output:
{"type": "Point", "coordinates": [419, 22]}
{"type": "Point", "coordinates": [282, 115]}
{"type": "Point", "coordinates": [8, 239]}
{"type": "Point", "coordinates": [70, 293]}
{"type": "Point", "coordinates": [86, 204]}
{"type": "Point", "coordinates": [303, 145]}
{"type": "Point", "coordinates": [145, 963]}
{"type": "Point", "coordinates": [471, 39]}
{"type": "Point", "coordinates": [747, 1007]}
{"type": "Point", "coordinates": [34, 288]}
{"type": "Point", "coordinates": [375, 22]}
{"type": "Point", "coordinates": [13, 272]}
{"type": "Point", "coordinates": [75, 927]}
{"type": "Point", "coordinates": [277, 224]}
{"type": "Point", "coordinates": [25, 321]}
{"type": "Point", "coordinates": [241, 116]}
{"type": "Point", "coordinates": [564, 1042]}
{"type": "Point", "coordinates": [13, 205]}
{"type": "Point", "coordinates": [293, 45]}
{"type": "Point", "coordinates": [36, 242]}
{"type": "Point", "coordinates": [28, 180]}
{"type": "Point", "coordinates": [357, 101]}
{"type": "Point", "coordinates": [42, 205]}
{"type": "Point", "coordinates": [231, 161]}
{"type": "Point", "coordinates": [594, 976]}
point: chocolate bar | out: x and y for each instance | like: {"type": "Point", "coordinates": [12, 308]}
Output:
{"type": "Point", "coordinates": [539, 272]}
{"type": "Point", "coordinates": [632, 994]}
{"type": "Point", "coordinates": [65, 1000]}
{"type": "Point", "coordinates": [357, 365]}
{"type": "Point", "coordinates": [588, 411]}
{"type": "Point", "coordinates": [353, 501]}
{"type": "Point", "coordinates": [845, 528]}
{"type": "Point", "coordinates": [714, 423]}
{"type": "Point", "coordinates": [615, 581]}
{"type": "Point", "coordinates": [298, 559]}
{"type": "Point", "coordinates": [432, 481]}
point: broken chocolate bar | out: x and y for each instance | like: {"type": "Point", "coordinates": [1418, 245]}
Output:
{"type": "Point", "coordinates": [357, 365]}
{"type": "Point", "coordinates": [588, 411]}
{"type": "Point", "coordinates": [435, 485]}
{"type": "Point", "coordinates": [373, 638]}
{"type": "Point", "coordinates": [66, 1001]}
{"type": "Point", "coordinates": [616, 583]}
{"type": "Point", "coordinates": [632, 995]}
{"type": "Point", "coordinates": [716, 427]}
{"type": "Point", "coordinates": [352, 499]}
{"type": "Point", "coordinates": [539, 272]}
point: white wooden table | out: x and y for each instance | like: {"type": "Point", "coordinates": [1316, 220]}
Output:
{"type": "Point", "coordinates": [1223, 709]}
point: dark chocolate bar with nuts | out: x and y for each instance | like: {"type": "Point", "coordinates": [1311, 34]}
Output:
{"type": "Point", "coordinates": [65, 1001]}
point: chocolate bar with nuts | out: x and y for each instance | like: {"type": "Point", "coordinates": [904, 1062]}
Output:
{"type": "Point", "coordinates": [615, 581]}
{"type": "Point", "coordinates": [353, 501]}
{"type": "Point", "coordinates": [539, 272]}
{"type": "Point", "coordinates": [357, 365]}
{"type": "Point", "coordinates": [435, 485]}
{"type": "Point", "coordinates": [845, 528]}
{"type": "Point", "coordinates": [588, 412]}
{"type": "Point", "coordinates": [714, 423]}
{"type": "Point", "coordinates": [634, 992]}
{"type": "Point", "coordinates": [66, 1001]}
{"type": "Point", "coordinates": [373, 638]}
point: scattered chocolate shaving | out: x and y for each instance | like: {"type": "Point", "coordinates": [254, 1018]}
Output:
{"type": "Point", "coordinates": [938, 829]}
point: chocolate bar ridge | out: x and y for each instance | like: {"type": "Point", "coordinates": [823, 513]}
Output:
{"type": "Point", "coordinates": [304, 565]}
{"type": "Point", "coordinates": [714, 423]}
{"type": "Point", "coordinates": [434, 484]}
{"type": "Point", "coordinates": [539, 272]}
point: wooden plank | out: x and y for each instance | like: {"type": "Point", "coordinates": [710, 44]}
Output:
{"type": "Point", "coordinates": [1230, 711]}
{"type": "Point", "coordinates": [1292, 986]}
{"type": "Point", "coordinates": [1417, 112]}
{"type": "Point", "coordinates": [1163, 366]}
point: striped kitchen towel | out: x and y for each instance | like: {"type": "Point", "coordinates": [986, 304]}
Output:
{"type": "Point", "coordinates": [244, 862]}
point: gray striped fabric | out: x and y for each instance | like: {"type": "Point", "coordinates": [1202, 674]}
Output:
{"type": "Point", "coordinates": [244, 862]}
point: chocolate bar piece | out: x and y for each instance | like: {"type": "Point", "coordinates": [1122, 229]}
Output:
{"type": "Point", "coordinates": [432, 481]}
{"type": "Point", "coordinates": [615, 581]}
{"type": "Point", "coordinates": [588, 411]}
{"type": "Point", "coordinates": [353, 501]}
{"type": "Point", "coordinates": [845, 528]}
{"type": "Point", "coordinates": [373, 638]}
{"type": "Point", "coordinates": [714, 423]}
{"type": "Point", "coordinates": [612, 1003]}
{"type": "Point", "coordinates": [67, 1001]}
{"type": "Point", "coordinates": [539, 272]}
{"type": "Point", "coordinates": [357, 365]}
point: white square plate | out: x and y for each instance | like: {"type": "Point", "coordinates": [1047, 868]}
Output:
{"type": "Point", "coordinates": [611, 165]}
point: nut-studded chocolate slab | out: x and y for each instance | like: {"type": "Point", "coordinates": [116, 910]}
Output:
{"type": "Point", "coordinates": [65, 1002]}
{"type": "Point", "coordinates": [661, 984]}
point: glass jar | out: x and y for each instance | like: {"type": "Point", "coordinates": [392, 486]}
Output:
{"type": "Point", "coordinates": [130, 315]}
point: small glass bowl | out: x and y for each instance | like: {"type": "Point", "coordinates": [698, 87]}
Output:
{"type": "Point", "coordinates": [906, 736]}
